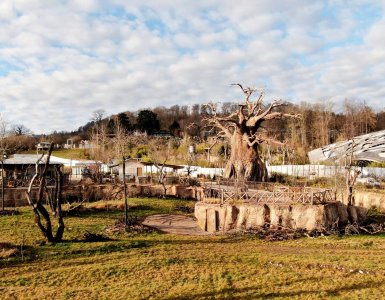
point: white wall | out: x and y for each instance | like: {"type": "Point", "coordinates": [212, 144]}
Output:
{"type": "Point", "coordinates": [322, 171]}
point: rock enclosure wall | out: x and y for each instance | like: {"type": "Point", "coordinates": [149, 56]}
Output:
{"type": "Point", "coordinates": [16, 196]}
{"type": "Point", "coordinates": [370, 200]}
{"type": "Point", "coordinates": [225, 218]}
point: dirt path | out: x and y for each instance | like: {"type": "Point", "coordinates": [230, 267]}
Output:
{"type": "Point", "coordinates": [175, 224]}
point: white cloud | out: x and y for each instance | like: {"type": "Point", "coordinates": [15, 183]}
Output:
{"type": "Point", "coordinates": [6, 10]}
{"type": "Point", "coordinates": [62, 60]}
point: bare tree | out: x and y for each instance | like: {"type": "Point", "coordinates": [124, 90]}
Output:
{"type": "Point", "coordinates": [20, 129]}
{"type": "Point", "coordinates": [321, 123]}
{"type": "Point", "coordinates": [351, 173]}
{"type": "Point", "coordinates": [368, 121]}
{"type": "Point", "coordinates": [3, 148]}
{"type": "Point", "coordinates": [161, 152]}
{"type": "Point", "coordinates": [54, 199]}
{"type": "Point", "coordinates": [243, 129]}
{"type": "Point", "coordinates": [3, 127]}
{"type": "Point", "coordinates": [97, 115]}
{"type": "Point", "coordinates": [121, 142]}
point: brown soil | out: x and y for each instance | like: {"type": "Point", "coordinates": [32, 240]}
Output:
{"type": "Point", "coordinates": [174, 224]}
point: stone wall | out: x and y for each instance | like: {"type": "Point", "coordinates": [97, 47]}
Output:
{"type": "Point", "coordinates": [370, 200]}
{"type": "Point", "coordinates": [15, 197]}
{"type": "Point", "coordinates": [227, 217]}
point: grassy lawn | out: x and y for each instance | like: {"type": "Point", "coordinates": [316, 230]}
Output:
{"type": "Point", "coordinates": [71, 153]}
{"type": "Point", "coordinates": [66, 153]}
{"type": "Point", "coordinates": [162, 266]}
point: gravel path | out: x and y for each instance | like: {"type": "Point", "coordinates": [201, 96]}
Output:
{"type": "Point", "coordinates": [175, 224]}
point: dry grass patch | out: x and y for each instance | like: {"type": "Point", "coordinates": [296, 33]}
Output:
{"type": "Point", "coordinates": [158, 266]}
{"type": "Point", "coordinates": [8, 250]}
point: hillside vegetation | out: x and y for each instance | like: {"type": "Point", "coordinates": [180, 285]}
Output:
{"type": "Point", "coordinates": [65, 153]}
{"type": "Point", "coordinates": [71, 153]}
{"type": "Point", "coordinates": [161, 266]}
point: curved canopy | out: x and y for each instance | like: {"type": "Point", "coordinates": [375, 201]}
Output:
{"type": "Point", "coordinates": [369, 147]}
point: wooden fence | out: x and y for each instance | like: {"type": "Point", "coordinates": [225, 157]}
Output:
{"type": "Point", "coordinates": [280, 194]}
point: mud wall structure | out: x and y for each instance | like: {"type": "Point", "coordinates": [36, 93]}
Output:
{"type": "Point", "coordinates": [239, 217]}
{"type": "Point", "coordinates": [370, 200]}
{"type": "Point", "coordinates": [15, 197]}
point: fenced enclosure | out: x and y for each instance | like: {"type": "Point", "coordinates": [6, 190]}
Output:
{"type": "Point", "coordinates": [261, 192]}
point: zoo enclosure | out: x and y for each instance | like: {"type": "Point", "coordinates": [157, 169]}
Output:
{"type": "Point", "coordinates": [261, 192]}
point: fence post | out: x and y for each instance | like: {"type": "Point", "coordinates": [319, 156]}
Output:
{"type": "Point", "coordinates": [222, 198]}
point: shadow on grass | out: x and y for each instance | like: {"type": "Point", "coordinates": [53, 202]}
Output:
{"type": "Point", "coordinates": [20, 255]}
{"type": "Point", "coordinates": [63, 250]}
{"type": "Point", "coordinates": [9, 212]}
{"type": "Point", "coordinates": [254, 292]}
{"type": "Point", "coordinates": [90, 212]}
{"type": "Point", "coordinates": [108, 248]}
{"type": "Point", "coordinates": [144, 207]}
{"type": "Point", "coordinates": [112, 211]}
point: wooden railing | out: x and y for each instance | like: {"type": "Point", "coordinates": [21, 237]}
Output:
{"type": "Point", "coordinates": [267, 186]}
{"type": "Point", "coordinates": [280, 194]}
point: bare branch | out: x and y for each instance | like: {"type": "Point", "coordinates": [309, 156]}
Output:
{"type": "Point", "coordinates": [244, 130]}
{"type": "Point", "coordinates": [215, 121]}
{"type": "Point", "coordinates": [278, 115]}
{"type": "Point", "coordinates": [267, 115]}
{"type": "Point", "coordinates": [240, 85]}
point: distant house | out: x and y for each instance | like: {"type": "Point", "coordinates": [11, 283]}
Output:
{"type": "Point", "coordinates": [43, 146]}
{"type": "Point", "coordinates": [134, 168]}
{"type": "Point", "coordinates": [139, 168]}
{"type": "Point", "coordinates": [79, 169]}
{"type": "Point", "coordinates": [85, 144]}
{"type": "Point", "coordinates": [69, 144]}
{"type": "Point", "coordinates": [20, 168]}
{"type": "Point", "coordinates": [162, 134]}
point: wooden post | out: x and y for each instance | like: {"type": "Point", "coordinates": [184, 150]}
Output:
{"type": "Point", "coordinates": [2, 185]}
{"type": "Point", "coordinates": [222, 198]}
{"type": "Point", "coordinates": [125, 194]}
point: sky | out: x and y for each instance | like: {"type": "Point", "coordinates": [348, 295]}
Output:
{"type": "Point", "coordinates": [61, 60]}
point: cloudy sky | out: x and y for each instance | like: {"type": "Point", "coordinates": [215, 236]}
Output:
{"type": "Point", "coordinates": [61, 60]}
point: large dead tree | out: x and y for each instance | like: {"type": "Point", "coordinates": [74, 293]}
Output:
{"type": "Point", "coordinates": [54, 197]}
{"type": "Point", "coordinates": [243, 129]}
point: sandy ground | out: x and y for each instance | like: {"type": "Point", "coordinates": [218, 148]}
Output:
{"type": "Point", "coordinates": [175, 224]}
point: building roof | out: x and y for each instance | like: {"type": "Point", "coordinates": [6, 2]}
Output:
{"type": "Point", "coordinates": [86, 163]}
{"type": "Point", "coordinates": [369, 147]}
{"type": "Point", "coordinates": [153, 164]}
{"type": "Point", "coordinates": [28, 159]}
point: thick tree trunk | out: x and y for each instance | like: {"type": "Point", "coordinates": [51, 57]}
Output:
{"type": "Point", "coordinates": [245, 162]}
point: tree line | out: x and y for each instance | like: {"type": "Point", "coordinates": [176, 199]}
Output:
{"type": "Point", "coordinates": [320, 124]}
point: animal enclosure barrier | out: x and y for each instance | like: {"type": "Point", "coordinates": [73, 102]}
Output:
{"type": "Point", "coordinates": [280, 194]}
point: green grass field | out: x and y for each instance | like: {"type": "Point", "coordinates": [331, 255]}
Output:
{"type": "Point", "coordinates": [163, 266]}
{"type": "Point", "coordinates": [66, 153]}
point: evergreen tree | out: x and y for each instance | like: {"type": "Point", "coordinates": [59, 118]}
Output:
{"type": "Point", "coordinates": [124, 121]}
{"type": "Point", "coordinates": [174, 128]}
{"type": "Point", "coordinates": [111, 126]}
{"type": "Point", "coordinates": [148, 121]}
